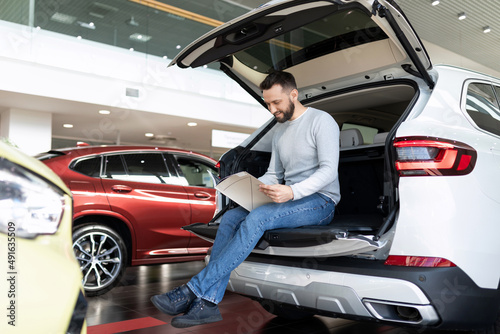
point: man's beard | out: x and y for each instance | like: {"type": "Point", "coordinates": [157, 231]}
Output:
{"type": "Point", "coordinates": [287, 114]}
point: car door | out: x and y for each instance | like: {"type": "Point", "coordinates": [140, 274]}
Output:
{"type": "Point", "coordinates": [85, 185]}
{"type": "Point", "coordinates": [140, 187]}
{"type": "Point", "coordinates": [199, 177]}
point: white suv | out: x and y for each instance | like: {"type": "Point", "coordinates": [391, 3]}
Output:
{"type": "Point", "coordinates": [414, 237]}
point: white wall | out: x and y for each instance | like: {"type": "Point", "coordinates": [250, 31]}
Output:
{"type": "Point", "coordinates": [43, 63]}
{"type": "Point", "coordinates": [440, 55]}
{"type": "Point", "coordinates": [31, 131]}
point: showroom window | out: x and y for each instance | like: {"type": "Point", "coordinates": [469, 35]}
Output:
{"type": "Point", "coordinates": [147, 26]}
{"type": "Point", "coordinates": [482, 106]}
{"type": "Point", "coordinates": [196, 173]}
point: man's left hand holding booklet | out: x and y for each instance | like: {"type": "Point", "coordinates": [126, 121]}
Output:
{"type": "Point", "coordinates": [243, 188]}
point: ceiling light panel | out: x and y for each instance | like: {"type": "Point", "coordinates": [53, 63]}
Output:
{"type": "Point", "coordinates": [139, 37]}
{"type": "Point", "coordinates": [63, 18]}
{"type": "Point", "coordinates": [100, 10]}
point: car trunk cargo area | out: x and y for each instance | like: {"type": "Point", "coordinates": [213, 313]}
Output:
{"type": "Point", "coordinates": [358, 213]}
{"type": "Point", "coordinates": [365, 211]}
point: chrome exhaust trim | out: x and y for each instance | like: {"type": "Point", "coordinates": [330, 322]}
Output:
{"type": "Point", "coordinates": [401, 312]}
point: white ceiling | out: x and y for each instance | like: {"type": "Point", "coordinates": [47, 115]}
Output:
{"type": "Point", "coordinates": [440, 25]}
{"type": "Point", "coordinates": [436, 24]}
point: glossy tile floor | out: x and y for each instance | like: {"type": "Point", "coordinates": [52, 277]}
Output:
{"type": "Point", "coordinates": [127, 309]}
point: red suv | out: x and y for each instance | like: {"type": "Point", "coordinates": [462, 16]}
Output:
{"type": "Point", "coordinates": [130, 203]}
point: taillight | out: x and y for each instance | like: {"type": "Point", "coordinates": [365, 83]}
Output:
{"type": "Point", "coordinates": [418, 261]}
{"type": "Point", "coordinates": [423, 156]}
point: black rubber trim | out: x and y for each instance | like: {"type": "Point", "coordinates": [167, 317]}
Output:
{"type": "Point", "coordinates": [203, 230]}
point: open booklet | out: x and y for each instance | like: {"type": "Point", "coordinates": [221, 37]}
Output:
{"type": "Point", "coordinates": [243, 188]}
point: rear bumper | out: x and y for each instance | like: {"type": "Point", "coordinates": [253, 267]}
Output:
{"type": "Point", "coordinates": [443, 298]}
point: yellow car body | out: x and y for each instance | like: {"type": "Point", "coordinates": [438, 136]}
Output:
{"type": "Point", "coordinates": [41, 281]}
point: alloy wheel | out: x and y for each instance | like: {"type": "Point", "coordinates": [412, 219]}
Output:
{"type": "Point", "coordinates": [100, 259]}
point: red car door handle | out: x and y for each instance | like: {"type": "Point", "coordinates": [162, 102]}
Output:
{"type": "Point", "coordinates": [202, 195]}
{"type": "Point", "coordinates": [121, 188]}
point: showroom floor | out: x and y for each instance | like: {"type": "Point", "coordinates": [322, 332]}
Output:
{"type": "Point", "coordinates": [127, 308]}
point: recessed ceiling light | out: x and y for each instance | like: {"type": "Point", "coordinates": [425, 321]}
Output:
{"type": "Point", "coordinates": [178, 47]}
{"type": "Point", "coordinates": [131, 49]}
{"type": "Point", "coordinates": [462, 16]}
{"type": "Point", "coordinates": [149, 134]}
{"type": "Point", "coordinates": [435, 2]}
{"type": "Point", "coordinates": [486, 29]}
{"type": "Point", "coordinates": [68, 126]}
{"type": "Point", "coordinates": [192, 124]}
{"type": "Point", "coordinates": [104, 112]}
{"type": "Point", "coordinates": [78, 37]}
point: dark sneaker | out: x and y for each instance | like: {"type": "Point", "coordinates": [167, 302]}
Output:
{"type": "Point", "coordinates": [201, 312]}
{"type": "Point", "coordinates": [174, 302]}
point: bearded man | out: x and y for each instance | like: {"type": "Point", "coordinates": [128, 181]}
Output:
{"type": "Point", "coordinates": [302, 181]}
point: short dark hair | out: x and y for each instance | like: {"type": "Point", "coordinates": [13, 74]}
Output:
{"type": "Point", "coordinates": [284, 79]}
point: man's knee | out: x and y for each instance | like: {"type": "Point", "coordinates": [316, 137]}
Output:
{"type": "Point", "coordinates": [233, 217]}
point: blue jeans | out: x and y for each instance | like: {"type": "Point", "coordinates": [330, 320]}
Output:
{"type": "Point", "coordinates": [239, 231]}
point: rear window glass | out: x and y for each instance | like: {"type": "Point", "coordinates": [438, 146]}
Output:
{"type": "Point", "coordinates": [89, 167]}
{"type": "Point", "coordinates": [335, 32]}
{"type": "Point", "coordinates": [482, 106]}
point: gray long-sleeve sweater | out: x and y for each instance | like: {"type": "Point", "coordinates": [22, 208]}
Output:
{"type": "Point", "coordinates": [305, 155]}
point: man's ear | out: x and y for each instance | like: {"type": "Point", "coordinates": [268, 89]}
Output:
{"type": "Point", "coordinates": [294, 94]}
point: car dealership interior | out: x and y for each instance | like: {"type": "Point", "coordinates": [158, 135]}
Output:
{"type": "Point", "coordinates": [100, 72]}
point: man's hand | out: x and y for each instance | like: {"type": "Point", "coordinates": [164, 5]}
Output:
{"type": "Point", "coordinates": [279, 193]}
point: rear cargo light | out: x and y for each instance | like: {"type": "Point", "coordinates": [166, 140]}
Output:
{"type": "Point", "coordinates": [422, 156]}
{"type": "Point", "coordinates": [418, 261]}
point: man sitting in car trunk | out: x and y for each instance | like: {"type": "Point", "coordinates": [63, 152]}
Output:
{"type": "Point", "coordinates": [302, 181]}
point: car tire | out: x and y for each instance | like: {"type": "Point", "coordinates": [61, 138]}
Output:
{"type": "Point", "coordinates": [102, 256]}
{"type": "Point", "coordinates": [285, 311]}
